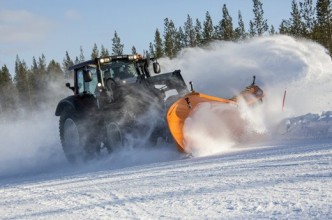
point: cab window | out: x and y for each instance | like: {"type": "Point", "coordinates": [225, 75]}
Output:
{"type": "Point", "coordinates": [87, 87]}
{"type": "Point", "coordinates": [80, 82]}
{"type": "Point", "coordinates": [120, 70]}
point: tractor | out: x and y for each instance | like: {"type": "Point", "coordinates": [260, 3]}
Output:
{"type": "Point", "coordinates": [115, 98]}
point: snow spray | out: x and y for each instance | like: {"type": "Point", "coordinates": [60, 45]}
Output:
{"type": "Point", "coordinates": [223, 69]}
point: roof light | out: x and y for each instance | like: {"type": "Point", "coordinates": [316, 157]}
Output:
{"type": "Point", "coordinates": [135, 57]}
{"type": "Point", "coordinates": [105, 60]}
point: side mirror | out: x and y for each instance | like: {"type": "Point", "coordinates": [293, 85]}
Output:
{"type": "Point", "coordinates": [156, 67]}
{"type": "Point", "coordinates": [70, 87]}
{"type": "Point", "coordinates": [87, 76]}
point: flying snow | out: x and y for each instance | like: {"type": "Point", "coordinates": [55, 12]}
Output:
{"type": "Point", "coordinates": [302, 68]}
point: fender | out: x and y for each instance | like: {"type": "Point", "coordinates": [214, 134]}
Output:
{"type": "Point", "coordinates": [69, 101]}
{"type": "Point", "coordinates": [80, 104]}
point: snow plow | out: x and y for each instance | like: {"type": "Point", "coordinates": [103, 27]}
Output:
{"type": "Point", "coordinates": [185, 106]}
{"type": "Point", "coordinates": [117, 102]}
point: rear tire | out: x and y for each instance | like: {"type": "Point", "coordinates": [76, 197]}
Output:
{"type": "Point", "coordinates": [114, 136]}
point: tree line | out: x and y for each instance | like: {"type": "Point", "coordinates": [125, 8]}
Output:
{"type": "Point", "coordinates": [30, 87]}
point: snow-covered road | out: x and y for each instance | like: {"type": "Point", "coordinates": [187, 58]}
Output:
{"type": "Point", "coordinates": [278, 181]}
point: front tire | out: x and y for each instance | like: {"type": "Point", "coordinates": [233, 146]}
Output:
{"type": "Point", "coordinates": [74, 139]}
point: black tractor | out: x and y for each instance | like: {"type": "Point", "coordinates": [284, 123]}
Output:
{"type": "Point", "coordinates": [116, 100]}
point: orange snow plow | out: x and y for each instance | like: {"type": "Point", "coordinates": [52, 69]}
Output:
{"type": "Point", "coordinates": [182, 109]}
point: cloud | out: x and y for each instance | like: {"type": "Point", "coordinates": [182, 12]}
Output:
{"type": "Point", "coordinates": [21, 26]}
{"type": "Point", "coordinates": [73, 15]}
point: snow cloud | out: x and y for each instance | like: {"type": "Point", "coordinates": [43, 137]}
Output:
{"type": "Point", "coordinates": [279, 62]}
{"type": "Point", "coordinates": [222, 69]}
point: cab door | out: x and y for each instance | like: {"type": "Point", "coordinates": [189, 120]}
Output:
{"type": "Point", "coordinates": [86, 89]}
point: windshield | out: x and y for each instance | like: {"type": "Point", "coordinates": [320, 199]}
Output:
{"type": "Point", "coordinates": [119, 70]}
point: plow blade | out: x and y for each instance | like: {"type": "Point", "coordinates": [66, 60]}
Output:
{"type": "Point", "coordinates": [183, 108]}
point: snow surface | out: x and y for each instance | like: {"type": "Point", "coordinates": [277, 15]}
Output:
{"type": "Point", "coordinates": [282, 169]}
{"type": "Point", "coordinates": [291, 180]}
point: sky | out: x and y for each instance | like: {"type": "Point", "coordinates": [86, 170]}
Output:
{"type": "Point", "coordinates": [32, 28]}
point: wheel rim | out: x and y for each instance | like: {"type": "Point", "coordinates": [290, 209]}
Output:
{"type": "Point", "coordinates": [71, 138]}
{"type": "Point", "coordinates": [114, 136]}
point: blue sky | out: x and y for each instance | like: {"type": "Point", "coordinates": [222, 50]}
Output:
{"type": "Point", "coordinates": [31, 28]}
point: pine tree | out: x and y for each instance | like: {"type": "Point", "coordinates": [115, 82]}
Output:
{"type": "Point", "coordinates": [284, 27]}
{"type": "Point", "coordinates": [39, 81]}
{"type": "Point", "coordinates": [54, 71]}
{"type": "Point", "coordinates": [34, 67]}
{"type": "Point", "coordinates": [117, 47]}
{"type": "Point", "coordinates": [158, 45]}
{"type": "Point", "coordinates": [22, 83]}
{"type": "Point", "coordinates": [240, 31]}
{"type": "Point", "coordinates": [146, 54]}
{"type": "Point", "coordinates": [259, 24]}
{"type": "Point", "coordinates": [81, 58]}
{"type": "Point", "coordinates": [151, 50]}
{"type": "Point", "coordinates": [323, 29]}
{"type": "Point", "coordinates": [56, 80]}
{"type": "Point", "coordinates": [133, 50]}
{"type": "Point", "coordinates": [180, 40]}
{"type": "Point", "coordinates": [95, 52]}
{"type": "Point", "coordinates": [169, 38]}
{"type": "Point", "coordinates": [252, 31]}
{"type": "Point", "coordinates": [42, 65]}
{"type": "Point", "coordinates": [224, 31]}
{"type": "Point", "coordinates": [272, 30]}
{"type": "Point", "coordinates": [198, 32]}
{"type": "Point", "coordinates": [66, 63]}
{"type": "Point", "coordinates": [34, 80]}
{"type": "Point", "coordinates": [307, 11]}
{"type": "Point", "coordinates": [207, 28]}
{"type": "Point", "coordinates": [103, 51]}
{"type": "Point", "coordinates": [8, 93]}
{"type": "Point", "coordinates": [77, 60]}
{"type": "Point", "coordinates": [189, 33]}
{"type": "Point", "coordinates": [34, 75]}
{"type": "Point", "coordinates": [296, 25]}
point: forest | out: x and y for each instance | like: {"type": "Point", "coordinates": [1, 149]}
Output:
{"type": "Point", "coordinates": [29, 89]}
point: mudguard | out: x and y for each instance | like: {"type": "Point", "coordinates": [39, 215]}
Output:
{"type": "Point", "coordinates": [81, 104]}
